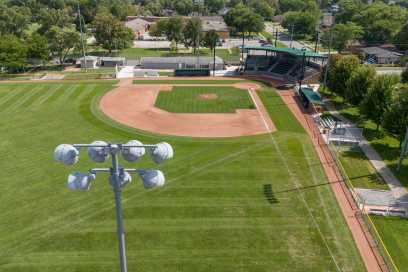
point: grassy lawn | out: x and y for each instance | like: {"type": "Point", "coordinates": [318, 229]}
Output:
{"type": "Point", "coordinates": [189, 81]}
{"type": "Point", "coordinates": [386, 145]}
{"type": "Point", "coordinates": [190, 99]}
{"type": "Point", "coordinates": [133, 53]}
{"type": "Point", "coordinates": [244, 204]}
{"type": "Point", "coordinates": [99, 73]}
{"type": "Point", "coordinates": [359, 169]}
{"type": "Point", "coordinates": [394, 234]}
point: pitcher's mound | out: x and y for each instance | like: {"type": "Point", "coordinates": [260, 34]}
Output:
{"type": "Point", "coordinates": [208, 96]}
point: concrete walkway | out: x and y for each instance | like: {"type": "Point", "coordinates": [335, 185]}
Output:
{"type": "Point", "coordinates": [398, 191]}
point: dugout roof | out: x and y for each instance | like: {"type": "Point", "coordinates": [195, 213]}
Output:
{"type": "Point", "coordinates": [291, 51]}
{"type": "Point", "coordinates": [312, 96]}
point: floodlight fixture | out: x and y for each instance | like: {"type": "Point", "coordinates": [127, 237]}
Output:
{"type": "Point", "coordinates": [161, 152]}
{"type": "Point", "coordinates": [152, 178]}
{"type": "Point", "coordinates": [119, 177]}
{"type": "Point", "coordinates": [66, 154]}
{"type": "Point", "coordinates": [80, 181]}
{"type": "Point", "coordinates": [132, 154]}
{"type": "Point", "coordinates": [98, 151]}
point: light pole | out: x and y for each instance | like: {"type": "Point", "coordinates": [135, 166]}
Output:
{"type": "Point", "coordinates": [99, 151]}
{"type": "Point", "coordinates": [198, 3]}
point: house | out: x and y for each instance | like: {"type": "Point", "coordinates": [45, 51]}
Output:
{"type": "Point", "coordinates": [215, 23]}
{"type": "Point", "coordinates": [327, 21]}
{"type": "Point", "coordinates": [379, 55]}
{"type": "Point", "coordinates": [89, 62]}
{"type": "Point", "coordinates": [139, 26]}
{"type": "Point", "coordinates": [181, 63]}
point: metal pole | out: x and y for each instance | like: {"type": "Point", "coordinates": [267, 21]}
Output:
{"type": "Point", "coordinates": [291, 35]}
{"type": "Point", "coordinates": [328, 59]}
{"type": "Point", "coordinates": [317, 41]}
{"type": "Point", "coordinates": [82, 37]}
{"type": "Point", "coordinates": [119, 222]}
{"type": "Point", "coordinates": [276, 37]}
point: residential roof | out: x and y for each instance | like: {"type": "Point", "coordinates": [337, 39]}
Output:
{"type": "Point", "coordinates": [137, 24]}
{"type": "Point", "coordinates": [380, 52]}
{"type": "Point", "coordinates": [290, 51]}
{"type": "Point", "coordinates": [186, 60]}
{"type": "Point", "coordinates": [213, 23]}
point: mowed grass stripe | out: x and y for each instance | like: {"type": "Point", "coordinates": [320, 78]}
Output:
{"type": "Point", "coordinates": [27, 97]}
{"type": "Point", "coordinates": [40, 93]}
{"type": "Point", "coordinates": [9, 94]}
{"type": "Point", "coordinates": [83, 88]}
{"type": "Point", "coordinates": [52, 89]}
{"type": "Point", "coordinates": [59, 93]}
{"type": "Point", "coordinates": [14, 99]}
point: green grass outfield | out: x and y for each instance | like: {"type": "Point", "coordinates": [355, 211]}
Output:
{"type": "Point", "coordinates": [188, 81]}
{"type": "Point", "coordinates": [187, 100]}
{"type": "Point", "coordinates": [246, 204]}
{"type": "Point", "coordinates": [394, 234]}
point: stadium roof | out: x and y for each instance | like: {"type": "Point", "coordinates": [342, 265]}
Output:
{"type": "Point", "coordinates": [290, 51]}
{"type": "Point", "coordinates": [186, 60]}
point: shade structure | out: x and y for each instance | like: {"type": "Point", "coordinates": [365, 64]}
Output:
{"type": "Point", "coordinates": [67, 154]}
{"type": "Point", "coordinates": [152, 178]}
{"type": "Point", "coordinates": [162, 152]}
{"type": "Point", "coordinates": [132, 154]}
{"type": "Point", "coordinates": [80, 181]}
{"type": "Point", "coordinates": [98, 153]}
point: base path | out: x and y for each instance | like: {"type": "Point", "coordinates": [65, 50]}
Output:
{"type": "Point", "coordinates": [133, 105]}
{"type": "Point", "coordinates": [372, 260]}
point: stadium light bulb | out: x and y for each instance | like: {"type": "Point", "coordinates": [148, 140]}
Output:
{"type": "Point", "coordinates": [97, 153]}
{"type": "Point", "coordinates": [132, 154]}
{"type": "Point", "coordinates": [152, 178]}
{"type": "Point", "coordinates": [80, 181]}
{"type": "Point", "coordinates": [161, 152]}
{"type": "Point", "coordinates": [124, 179]}
{"type": "Point", "coordinates": [66, 154]}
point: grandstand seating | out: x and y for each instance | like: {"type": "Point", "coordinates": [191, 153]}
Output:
{"type": "Point", "coordinates": [283, 66]}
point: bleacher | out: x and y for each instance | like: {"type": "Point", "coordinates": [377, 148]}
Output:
{"type": "Point", "coordinates": [260, 63]}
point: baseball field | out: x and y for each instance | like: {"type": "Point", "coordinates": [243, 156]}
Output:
{"type": "Point", "coordinates": [258, 203]}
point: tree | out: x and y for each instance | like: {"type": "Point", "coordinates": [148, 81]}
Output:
{"type": "Point", "coordinates": [342, 34]}
{"type": "Point", "coordinates": [210, 40]}
{"type": "Point", "coordinates": [213, 6]}
{"type": "Point", "coordinates": [381, 22]}
{"type": "Point", "coordinates": [242, 19]}
{"type": "Point", "coordinates": [401, 39]}
{"type": "Point", "coordinates": [404, 75]}
{"type": "Point", "coordinates": [291, 5]}
{"type": "Point", "coordinates": [54, 17]}
{"type": "Point", "coordinates": [155, 8]}
{"type": "Point", "coordinates": [37, 47]}
{"type": "Point", "coordinates": [62, 41]}
{"type": "Point", "coordinates": [262, 8]}
{"type": "Point", "coordinates": [378, 99]}
{"type": "Point", "coordinates": [303, 22]}
{"type": "Point", "coordinates": [340, 73]}
{"type": "Point", "coordinates": [396, 118]}
{"type": "Point", "coordinates": [13, 53]}
{"type": "Point", "coordinates": [14, 20]}
{"type": "Point", "coordinates": [193, 33]}
{"type": "Point", "coordinates": [359, 83]}
{"type": "Point", "coordinates": [347, 10]}
{"type": "Point", "coordinates": [111, 33]}
{"type": "Point", "coordinates": [172, 28]}
{"type": "Point", "coordinates": [184, 7]}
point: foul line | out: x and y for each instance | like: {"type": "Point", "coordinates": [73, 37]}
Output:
{"type": "Point", "coordinates": [260, 113]}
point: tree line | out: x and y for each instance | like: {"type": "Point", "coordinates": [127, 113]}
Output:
{"type": "Point", "coordinates": [38, 31]}
{"type": "Point", "coordinates": [382, 99]}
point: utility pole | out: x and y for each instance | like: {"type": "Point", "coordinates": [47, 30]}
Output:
{"type": "Point", "coordinates": [328, 59]}
{"type": "Point", "coordinates": [276, 37]}
{"type": "Point", "coordinates": [317, 40]}
{"type": "Point", "coordinates": [82, 37]}
{"type": "Point", "coordinates": [291, 35]}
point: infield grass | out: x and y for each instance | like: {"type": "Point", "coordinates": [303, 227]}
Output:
{"type": "Point", "coordinates": [244, 204]}
{"type": "Point", "coordinates": [192, 100]}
